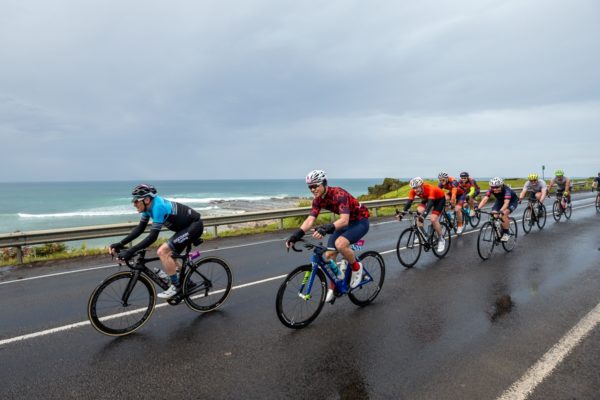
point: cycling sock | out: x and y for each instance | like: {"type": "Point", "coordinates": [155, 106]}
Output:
{"type": "Point", "coordinates": [355, 266]}
{"type": "Point", "coordinates": [175, 279]}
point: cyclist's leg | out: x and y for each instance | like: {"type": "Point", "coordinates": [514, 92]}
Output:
{"type": "Point", "coordinates": [420, 211]}
{"type": "Point", "coordinates": [458, 209]}
{"type": "Point", "coordinates": [438, 209]}
{"type": "Point", "coordinates": [177, 243]}
{"type": "Point", "coordinates": [331, 243]}
{"type": "Point", "coordinates": [353, 233]}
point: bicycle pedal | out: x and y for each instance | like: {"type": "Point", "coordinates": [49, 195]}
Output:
{"type": "Point", "coordinates": [175, 300]}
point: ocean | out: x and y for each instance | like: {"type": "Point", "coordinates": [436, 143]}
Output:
{"type": "Point", "coordinates": [50, 205]}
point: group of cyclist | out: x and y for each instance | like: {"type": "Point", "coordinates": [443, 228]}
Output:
{"type": "Point", "coordinates": [349, 228]}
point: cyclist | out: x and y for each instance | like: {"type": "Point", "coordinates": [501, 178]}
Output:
{"type": "Point", "coordinates": [432, 197]}
{"type": "Point", "coordinates": [537, 189]}
{"type": "Point", "coordinates": [184, 221]}
{"type": "Point", "coordinates": [455, 194]}
{"type": "Point", "coordinates": [350, 227]}
{"type": "Point", "coordinates": [506, 202]}
{"type": "Point", "coordinates": [471, 189]}
{"type": "Point", "coordinates": [596, 183]}
{"type": "Point", "coordinates": [563, 187]}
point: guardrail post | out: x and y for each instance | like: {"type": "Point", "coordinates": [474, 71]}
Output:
{"type": "Point", "coordinates": [19, 254]}
{"type": "Point", "coordinates": [215, 231]}
{"type": "Point", "coordinates": [280, 223]}
{"type": "Point", "coordinates": [375, 212]}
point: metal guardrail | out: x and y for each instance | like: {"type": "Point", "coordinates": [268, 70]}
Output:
{"type": "Point", "coordinates": [20, 239]}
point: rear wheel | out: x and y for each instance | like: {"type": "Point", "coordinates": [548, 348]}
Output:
{"type": "Point", "coordinates": [296, 308]}
{"type": "Point", "coordinates": [446, 234]}
{"type": "Point", "coordinates": [486, 240]}
{"type": "Point", "coordinates": [513, 232]}
{"type": "Point", "coordinates": [474, 220]}
{"type": "Point", "coordinates": [113, 316]}
{"type": "Point", "coordinates": [408, 247]}
{"type": "Point", "coordinates": [208, 283]}
{"type": "Point", "coordinates": [373, 278]}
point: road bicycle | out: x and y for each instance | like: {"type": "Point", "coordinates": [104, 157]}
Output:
{"type": "Point", "coordinates": [491, 233]}
{"type": "Point", "coordinates": [598, 202]}
{"type": "Point", "coordinates": [450, 216]}
{"type": "Point", "coordinates": [124, 301]}
{"type": "Point", "coordinates": [416, 238]}
{"type": "Point", "coordinates": [558, 210]}
{"type": "Point", "coordinates": [467, 218]}
{"type": "Point", "coordinates": [533, 216]}
{"type": "Point", "coordinates": [301, 296]}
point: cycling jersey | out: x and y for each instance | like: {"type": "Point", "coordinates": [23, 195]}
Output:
{"type": "Point", "coordinates": [453, 188]}
{"type": "Point", "coordinates": [535, 187]}
{"type": "Point", "coordinates": [339, 201]}
{"type": "Point", "coordinates": [597, 180]}
{"type": "Point", "coordinates": [431, 195]}
{"type": "Point", "coordinates": [505, 193]}
{"type": "Point", "coordinates": [560, 184]}
{"type": "Point", "coordinates": [470, 187]}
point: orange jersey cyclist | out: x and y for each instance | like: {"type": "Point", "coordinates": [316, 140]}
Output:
{"type": "Point", "coordinates": [471, 189]}
{"type": "Point", "coordinates": [506, 202]}
{"type": "Point", "coordinates": [456, 195]}
{"type": "Point", "coordinates": [350, 227]}
{"type": "Point", "coordinates": [432, 197]}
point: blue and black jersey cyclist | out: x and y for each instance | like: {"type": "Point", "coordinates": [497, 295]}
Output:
{"type": "Point", "coordinates": [596, 183]}
{"type": "Point", "coordinates": [506, 202]}
{"type": "Point", "coordinates": [184, 221]}
{"type": "Point", "coordinates": [349, 228]}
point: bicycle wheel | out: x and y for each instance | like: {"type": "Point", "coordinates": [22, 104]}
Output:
{"type": "Point", "coordinates": [598, 203]}
{"type": "Point", "coordinates": [486, 240]}
{"type": "Point", "coordinates": [513, 232]}
{"type": "Point", "coordinates": [107, 312]}
{"type": "Point", "coordinates": [446, 234]}
{"type": "Point", "coordinates": [568, 211]}
{"type": "Point", "coordinates": [556, 210]}
{"type": "Point", "coordinates": [541, 218]}
{"type": "Point", "coordinates": [373, 278]}
{"type": "Point", "coordinates": [527, 220]}
{"type": "Point", "coordinates": [295, 307]}
{"type": "Point", "coordinates": [208, 283]}
{"type": "Point", "coordinates": [410, 242]}
{"type": "Point", "coordinates": [474, 220]}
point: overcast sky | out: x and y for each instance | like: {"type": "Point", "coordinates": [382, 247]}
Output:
{"type": "Point", "coordinates": [104, 90]}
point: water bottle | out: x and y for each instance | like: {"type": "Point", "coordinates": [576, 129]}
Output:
{"type": "Point", "coordinates": [194, 255]}
{"type": "Point", "coordinates": [162, 274]}
{"type": "Point", "coordinates": [334, 268]}
{"type": "Point", "coordinates": [343, 267]}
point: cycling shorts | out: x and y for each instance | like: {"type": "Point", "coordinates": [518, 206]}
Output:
{"type": "Point", "coordinates": [511, 206]}
{"type": "Point", "coordinates": [438, 205]}
{"type": "Point", "coordinates": [179, 241]}
{"type": "Point", "coordinates": [353, 232]}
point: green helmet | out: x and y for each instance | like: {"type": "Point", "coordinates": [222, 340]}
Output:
{"type": "Point", "coordinates": [559, 172]}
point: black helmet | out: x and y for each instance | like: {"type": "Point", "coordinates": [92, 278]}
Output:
{"type": "Point", "coordinates": [464, 174]}
{"type": "Point", "coordinates": [142, 191]}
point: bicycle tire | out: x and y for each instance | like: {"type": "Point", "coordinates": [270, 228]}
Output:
{"type": "Point", "coordinates": [375, 266]}
{"type": "Point", "coordinates": [212, 280]}
{"type": "Point", "coordinates": [288, 293]}
{"type": "Point", "coordinates": [541, 221]}
{"type": "Point", "coordinates": [105, 308]}
{"type": "Point", "coordinates": [446, 234]}
{"type": "Point", "coordinates": [486, 240]}
{"type": "Point", "coordinates": [598, 203]}
{"type": "Point", "coordinates": [568, 211]}
{"type": "Point", "coordinates": [476, 219]}
{"type": "Point", "coordinates": [527, 220]}
{"type": "Point", "coordinates": [513, 232]}
{"type": "Point", "coordinates": [556, 210]}
{"type": "Point", "coordinates": [411, 241]}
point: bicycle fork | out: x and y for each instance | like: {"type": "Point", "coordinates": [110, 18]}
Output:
{"type": "Point", "coordinates": [307, 281]}
{"type": "Point", "coordinates": [130, 285]}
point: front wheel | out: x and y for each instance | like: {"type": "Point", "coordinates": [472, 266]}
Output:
{"type": "Point", "coordinates": [486, 240]}
{"type": "Point", "coordinates": [374, 275]}
{"type": "Point", "coordinates": [557, 210]}
{"type": "Point", "coordinates": [568, 211]}
{"type": "Point", "coordinates": [112, 312]}
{"type": "Point", "coordinates": [208, 283]}
{"type": "Point", "coordinates": [446, 235]}
{"type": "Point", "coordinates": [541, 217]}
{"type": "Point", "coordinates": [474, 220]}
{"type": "Point", "coordinates": [513, 232]}
{"type": "Point", "coordinates": [528, 220]}
{"type": "Point", "coordinates": [297, 306]}
{"type": "Point", "coordinates": [598, 203]}
{"type": "Point", "coordinates": [408, 247]}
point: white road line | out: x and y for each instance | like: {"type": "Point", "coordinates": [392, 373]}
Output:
{"type": "Point", "coordinates": [521, 389]}
{"type": "Point", "coordinates": [85, 323]}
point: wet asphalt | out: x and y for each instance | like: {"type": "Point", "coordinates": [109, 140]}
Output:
{"type": "Point", "coordinates": [455, 328]}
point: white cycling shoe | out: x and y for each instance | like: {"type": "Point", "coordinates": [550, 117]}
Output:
{"type": "Point", "coordinates": [460, 229]}
{"type": "Point", "coordinates": [505, 237]}
{"type": "Point", "coordinates": [170, 292]}
{"type": "Point", "coordinates": [441, 245]}
{"type": "Point", "coordinates": [356, 277]}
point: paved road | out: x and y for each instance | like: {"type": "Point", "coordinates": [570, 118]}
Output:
{"type": "Point", "coordinates": [456, 328]}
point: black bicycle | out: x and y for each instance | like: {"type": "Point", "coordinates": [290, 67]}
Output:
{"type": "Point", "coordinates": [558, 210]}
{"type": "Point", "coordinates": [490, 235]}
{"type": "Point", "coordinates": [534, 214]}
{"type": "Point", "coordinates": [124, 301]}
{"type": "Point", "coordinates": [598, 202]}
{"type": "Point", "coordinates": [416, 238]}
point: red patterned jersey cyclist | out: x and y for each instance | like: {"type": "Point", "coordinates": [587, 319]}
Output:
{"type": "Point", "coordinates": [455, 194]}
{"type": "Point", "coordinates": [471, 189]}
{"type": "Point", "coordinates": [432, 197]}
{"type": "Point", "coordinates": [349, 228]}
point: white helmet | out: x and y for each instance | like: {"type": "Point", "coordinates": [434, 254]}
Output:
{"type": "Point", "coordinates": [316, 177]}
{"type": "Point", "coordinates": [443, 175]}
{"type": "Point", "coordinates": [416, 182]}
{"type": "Point", "coordinates": [496, 181]}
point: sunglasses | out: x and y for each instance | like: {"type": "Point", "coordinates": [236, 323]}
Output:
{"type": "Point", "coordinates": [313, 187]}
{"type": "Point", "coordinates": [494, 187]}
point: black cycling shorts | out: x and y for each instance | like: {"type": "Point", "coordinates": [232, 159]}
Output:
{"type": "Point", "coordinates": [179, 241]}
